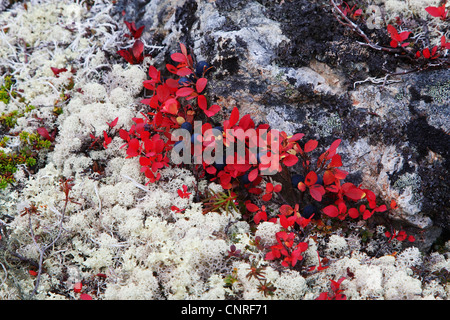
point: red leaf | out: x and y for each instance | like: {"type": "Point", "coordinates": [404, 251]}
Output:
{"type": "Point", "coordinates": [261, 215]}
{"type": "Point", "coordinates": [171, 68]}
{"type": "Point", "coordinates": [335, 161]}
{"type": "Point", "coordinates": [353, 213]}
{"type": "Point", "coordinates": [311, 178]}
{"type": "Point", "coordinates": [381, 208]}
{"type": "Point", "coordinates": [332, 149]}
{"type": "Point", "coordinates": [253, 175]}
{"type": "Point", "coordinates": [201, 84]}
{"type": "Point", "coordinates": [107, 139]}
{"type": "Point", "coordinates": [393, 44]}
{"type": "Point", "coordinates": [328, 177]}
{"type": "Point", "coordinates": [44, 133]}
{"type": "Point", "coordinates": [251, 207]}
{"type": "Point", "coordinates": [246, 122]}
{"type": "Point", "coordinates": [317, 191]}
{"type": "Point", "coordinates": [212, 110]}
{"type": "Point", "coordinates": [183, 49]}
{"type": "Point", "coordinates": [358, 12]}
{"type": "Point", "coordinates": [184, 91]}
{"type": "Point", "coordinates": [170, 106]}
{"type": "Point", "coordinates": [302, 246]}
{"type": "Point", "coordinates": [124, 134]}
{"type": "Point", "coordinates": [78, 286]}
{"type": "Point", "coordinates": [266, 197]}
{"type": "Point", "coordinates": [202, 102]}
{"type": "Point", "coordinates": [234, 117]}
{"type": "Point", "coordinates": [153, 73]}
{"type": "Point", "coordinates": [444, 43]}
{"type": "Point", "coordinates": [426, 53]}
{"type": "Point", "coordinates": [144, 161]}
{"type": "Point", "coordinates": [301, 186]}
{"type": "Point", "coordinates": [367, 214]}
{"type": "Point", "coordinates": [354, 193]}
{"type": "Point", "coordinates": [286, 209]}
{"type": "Point", "coordinates": [137, 49]}
{"type": "Point", "coordinates": [290, 160]}
{"type": "Point", "coordinates": [57, 71]}
{"type": "Point", "coordinates": [138, 32]}
{"type": "Point", "coordinates": [310, 145]}
{"type": "Point", "coordinates": [85, 296]}
{"type": "Point", "coordinates": [339, 174]}
{"type": "Point", "coordinates": [322, 296]}
{"type": "Point", "coordinates": [178, 57]}
{"type": "Point", "coordinates": [404, 35]}
{"type": "Point", "coordinates": [133, 147]}
{"type": "Point", "coordinates": [126, 55]}
{"type": "Point", "coordinates": [296, 137]}
{"type": "Point", "coordinates": [392, 31]}
{"type": "Point", "coordinates": [393, 204]}
{"type": "Point", "coordinates": [113, 123]}
{"type": "Point", "coordinates": [438, 12]}
{"type": "Point", "coordinates": [184, 72]}
{"type": "Point", "coordinates": [331, 211]}
{"type": "Point", "coordinates": [211, 170]}
{"type": "Point", "coordinates": [401, 236]}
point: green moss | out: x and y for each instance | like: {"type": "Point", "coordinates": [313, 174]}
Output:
{"type": "Point", "coordinates": [8, 166]}
{"type": "Point", "coordinates": [5, 90]}
{"type": "Point", "coordinates": [9, 120]}
{"type": "Point", "coordinates": [33, 141]}
{"type": "Point", "coordinates": [27, 155]}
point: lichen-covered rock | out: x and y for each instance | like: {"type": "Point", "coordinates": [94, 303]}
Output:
{"type": "Point", "coordinates": [280, 62]}
{"type": "Point", "coordinates": [287, 63]}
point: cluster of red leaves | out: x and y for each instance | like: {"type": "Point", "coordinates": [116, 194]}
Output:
{"type": "Point", "coordinates": [399, 235]}
{"type": "Point", "coordinates": [170, 106]}
{"type": "Point", "coordinates": [434, 52]}
{"type": "Point", "coordinates": [397, 38]}
{"type": "Point", "coordinates": [183, 193]}
{"type": "Point", "coordinates": [106, 139]}
{"type": "Point", "coordinates": [290, 219]}
{"type": "Point", "coordinates": [169, 92]}
{"type": "Point", "coordinates": [143, 140]}
{"type": "Point", "coordinates": [135, 54]}
{"type": "Point", "coordinates": [337, 197]}
{"type": "Point", "coordinates": [336, 291]}
{"type": "Point", "coordinates": [286, 249]}
{"type": "Point", "coordinates": [247, 170]}
{"type": "Point", "coordinates": [347, 11]}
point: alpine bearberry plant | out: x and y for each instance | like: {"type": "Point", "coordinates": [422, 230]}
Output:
{"type": "Point", "coordinates": [266, 174]}
{"type": "Point", "coordinates": [410, 40]}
